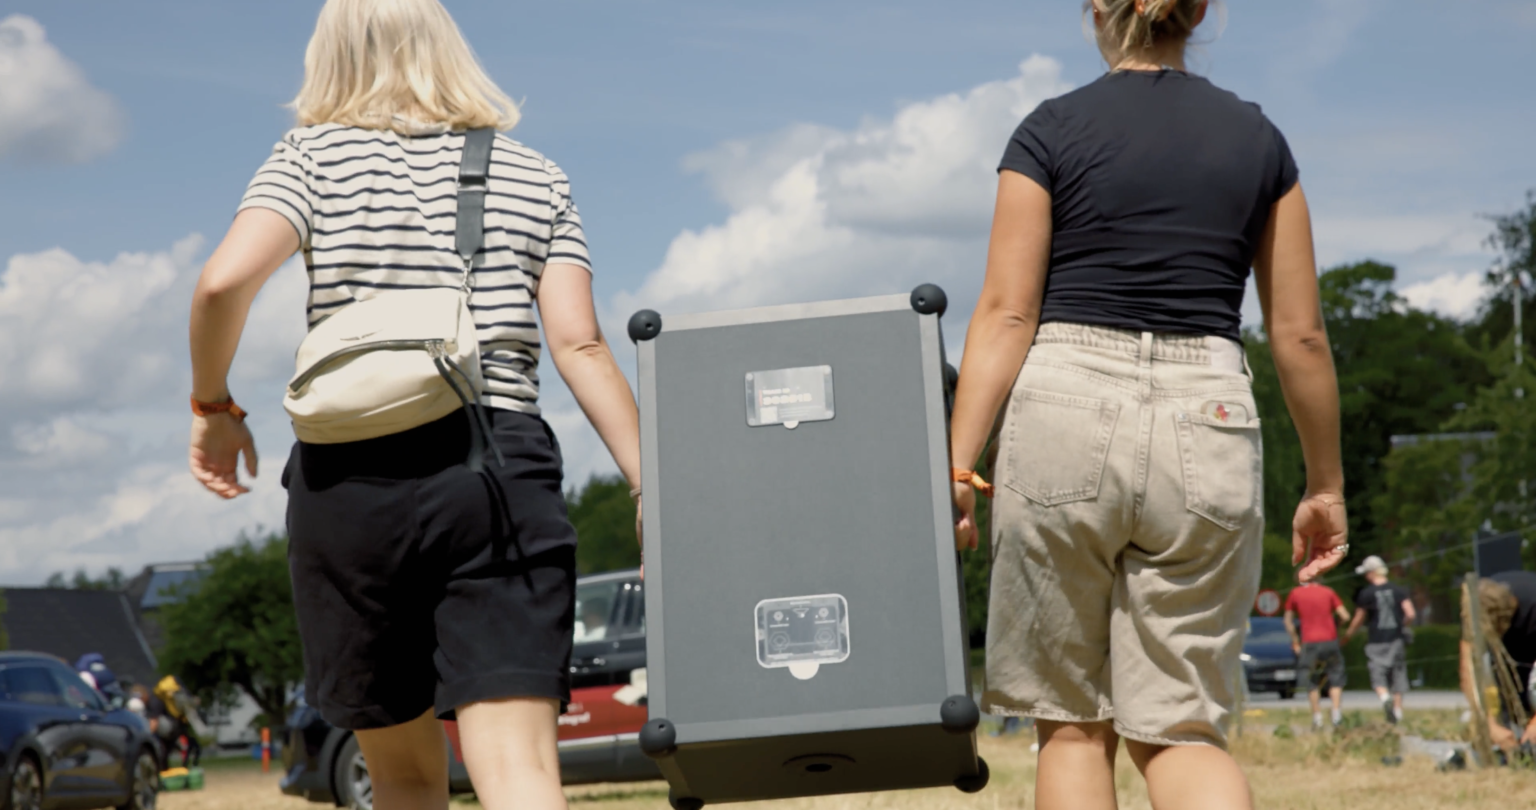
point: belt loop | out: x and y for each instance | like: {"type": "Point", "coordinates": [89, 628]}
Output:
{"type": "Point", "coordinates": [1144, 357]}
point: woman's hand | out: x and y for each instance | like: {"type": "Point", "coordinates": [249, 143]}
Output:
{"type": "Point", "coordinates": [217, 442]}
{"type": "Point", "coordinates": [1319, 535]}
{"type": "Point", "coordinates": [1500, 736]}
{"type": "Point", "coordinates": [965, 525]}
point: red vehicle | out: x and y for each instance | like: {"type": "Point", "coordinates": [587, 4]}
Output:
{"type": "Point", "coordinates": [598, 733]}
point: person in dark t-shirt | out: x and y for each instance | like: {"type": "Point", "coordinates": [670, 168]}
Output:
{"type": "Point", "coordinates": [1387, 612]}
{"type": "Point", "coordinates": [1128, 513]}
{"type": "Point", "coordinates": [1508, 603]}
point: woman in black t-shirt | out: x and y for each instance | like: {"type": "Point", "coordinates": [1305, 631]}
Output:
{"type": "Point", "coordinates": [1128, 517]}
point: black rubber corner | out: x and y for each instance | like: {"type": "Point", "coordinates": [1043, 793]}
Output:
{"type": "Point", "coordinates": [928, 299]}
{"type": "Point", "coordinates": [951, 377]}
{"type": "Point", "coordinates": [684, 803]}
{"type": "Point", "coordinates": [644, 325]}
{"type": "Point", "coordinates": [658, 738]}
{"type": "Point", "coordinates": [958, 714]}
{"type": "Point", "coordinates": [974, 784]}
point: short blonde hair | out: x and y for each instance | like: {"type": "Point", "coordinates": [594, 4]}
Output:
{"type": "Point", "coordinates": [372, 63]}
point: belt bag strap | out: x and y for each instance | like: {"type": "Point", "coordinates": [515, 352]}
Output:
{"type": "Point", "coordinates": [474, 168]}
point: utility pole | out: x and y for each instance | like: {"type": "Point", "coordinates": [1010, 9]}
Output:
{"type": "Point", "coordinates": [1515, 281]}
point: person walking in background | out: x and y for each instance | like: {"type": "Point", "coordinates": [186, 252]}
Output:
{"type": "Point", "coordinates": [1128, 516]}
{"type": "Point", "coordinates": [1387, 612]}
{"type": "Point", "coordinates": [1317, 645]}
{"type": "Point", "coordinates": [434, 568]}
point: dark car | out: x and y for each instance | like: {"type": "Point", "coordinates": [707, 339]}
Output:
{"type": "Point", "coordinates": [62, 746]}
{"type": "Point", "coordinates": [1268, 660]}
{"type": "Point", "coordinates": [599, 731]}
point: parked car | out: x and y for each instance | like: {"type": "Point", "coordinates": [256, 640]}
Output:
{"type": "Point", "coordinates": [1268, 660]}
{"type": "Point", "coordinates": [598, 732]}
{"type": "Point", "coordinates": [62, 746]}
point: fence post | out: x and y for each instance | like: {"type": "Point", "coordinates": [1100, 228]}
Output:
{"type": "Point", "coordinates": [266, 749]}
{"type": "Point", "coordinates": [1482, 742]}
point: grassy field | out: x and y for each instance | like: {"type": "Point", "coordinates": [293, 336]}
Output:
{"type": "Point", "coordinates": [1291, 769]}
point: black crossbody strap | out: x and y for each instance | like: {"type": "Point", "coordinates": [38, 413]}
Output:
{"type": "Point", "coordinates": [474, 168]}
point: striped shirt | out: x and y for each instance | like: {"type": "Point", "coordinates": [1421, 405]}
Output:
{"type": "Point", "coordinates": [375, 211]}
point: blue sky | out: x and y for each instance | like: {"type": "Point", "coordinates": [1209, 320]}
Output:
{"type": "Point", "coordinates": [722, 153]}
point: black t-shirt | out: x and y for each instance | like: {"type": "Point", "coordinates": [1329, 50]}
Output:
{"type": "Point", "coordinates": [1384, 616]}
{"type": "Point", "coordinates": [1520, 638]}
{"type": "Point", "coordinates": [1161, 187]}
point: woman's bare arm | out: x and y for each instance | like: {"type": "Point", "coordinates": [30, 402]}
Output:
{"type": "Point", "coordinates": [586, 363]}
{"type": "Point", "coordinates": [1285, 272]}
{"type": "Point", "coordinates": [1002, 327]}
{"type": "Point", "coordinates": [258, 242]}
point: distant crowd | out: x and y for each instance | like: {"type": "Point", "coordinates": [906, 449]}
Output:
{"type": "Point", "coordinates": [168, 708]}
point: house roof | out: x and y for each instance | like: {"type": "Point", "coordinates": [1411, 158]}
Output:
{"type": "Point", "coordinates": [70, 623]}
{"type": "Point", "coordinates": [156, 584]}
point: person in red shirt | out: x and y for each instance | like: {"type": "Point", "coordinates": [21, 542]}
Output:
{"type": "Point", "coordinates": [1317, 644]}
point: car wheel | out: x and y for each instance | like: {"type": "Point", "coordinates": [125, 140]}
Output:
{"type": "Point", "coordinates": [144, 783]}
{"type": "Point", "coordinates": [354, 787]}
{"type": "Point", "coordinates": [26, 785]}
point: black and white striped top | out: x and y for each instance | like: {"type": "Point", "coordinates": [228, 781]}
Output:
{"type": "Point", "coordinates": [375, 211]}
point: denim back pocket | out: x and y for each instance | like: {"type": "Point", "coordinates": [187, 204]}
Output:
{"type": "Point", "coordinates": [1057, 444]}
{"type": "Point", "coordinates": [1223, 468]}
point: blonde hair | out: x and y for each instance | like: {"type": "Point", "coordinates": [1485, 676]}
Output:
{"type": "Point", "coordinates": [386, 64]}
{"type": "Point", "coordinates": [1498, 606]}
{"type": "Point", "coordinates": [1127, 33]}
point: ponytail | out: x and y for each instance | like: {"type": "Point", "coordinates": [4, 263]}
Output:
{"type": "Point", "coordinates": [1127, 31]}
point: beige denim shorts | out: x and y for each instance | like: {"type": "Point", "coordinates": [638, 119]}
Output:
{"type": "Point", "coordinates": [1127, 531]}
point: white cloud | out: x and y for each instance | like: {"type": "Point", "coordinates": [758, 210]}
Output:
{"type": "Point", "coordinates": [1453, 295]}
{"type": "Point", "coordinates": [93, 382]}
{"type": "Point", "coordinates": [83, 333]}
{"type": "Point", "coordinates": [1350, 237]}
{"type": "Point", "coordinates": [153, 512]}
{"type": "Point", "coordinates": [64, 440]}
{"type": "Point", "coordinates": [821, 213]}
{"type": "Point", "coordinates": [825, 213]}
{"type": "Point", "coordinates": [48, 108]}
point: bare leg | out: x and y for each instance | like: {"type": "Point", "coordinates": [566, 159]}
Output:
{"type": "Point", "coordinates": [1336, 694]}
{"type": "Point", "coordinates": [1315, 697]}
{"type": "Point", "coordinates": [1077, 766]}
{"type": "Point", "coordinates": [1190, 777]}
{"type": "Point", "coordinates": [509, 749]}
{"type": "Point", "coordinates": [408, 764]}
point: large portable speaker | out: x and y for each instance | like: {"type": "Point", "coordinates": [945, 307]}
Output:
{"type": "Point", "coordinates": [806, 626]}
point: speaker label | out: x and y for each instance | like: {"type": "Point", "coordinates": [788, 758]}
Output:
{"type": "Point", "coordinates": [802, 633]}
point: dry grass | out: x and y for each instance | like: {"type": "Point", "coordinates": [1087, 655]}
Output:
{"type": "Point", "coordinates": [1305, 772]}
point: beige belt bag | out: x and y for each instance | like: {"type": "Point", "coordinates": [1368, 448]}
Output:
{"type": "Point", "coordinates": [402, 358]}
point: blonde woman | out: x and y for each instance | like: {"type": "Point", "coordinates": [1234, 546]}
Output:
{"type": "Point", "coordinates": [1128, 512]}
{"type": "Point", "coordinates": [424, 590]}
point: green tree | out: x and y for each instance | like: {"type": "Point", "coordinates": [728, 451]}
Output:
{"type": "Point", "coordinates": [604, 517]}
{"type": "Point", "coordinates": [1514, 239]}
{"type": "Point", "coordinates": [1504, 474]}
{"type": "Point", "coordinates": [1401, 371]}
{"type": "Point", "coordinates": [235, 626]}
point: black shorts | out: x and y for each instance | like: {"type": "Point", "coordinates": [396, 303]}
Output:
{"type": "Point", "coordinates": [1320, 655]}
{"type": "Point", "coordinates": [420, 584]}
